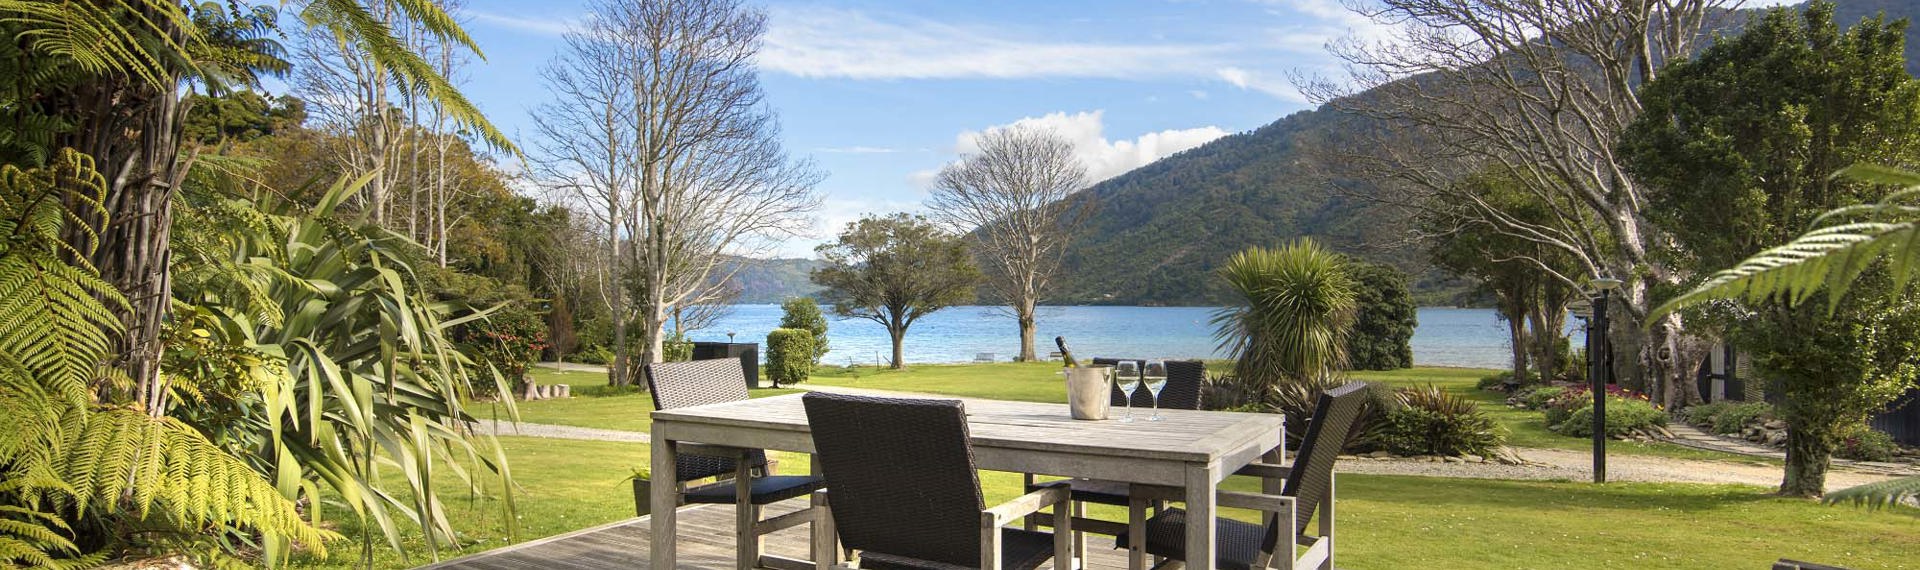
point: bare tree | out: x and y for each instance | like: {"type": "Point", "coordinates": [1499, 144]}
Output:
{"type": "Point", "coordinates": [352, 94]}
{"type": "Point", "coordinates": [660, 122]}
{"type": "Point", "coordinates": [1540, 88]}
{"type": "Point", "coordinates": [1016, 199]}
{"type": "Point", "coordinates": [584, 149]}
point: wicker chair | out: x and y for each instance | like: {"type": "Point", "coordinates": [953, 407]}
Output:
{"type": "Point", "coordinates": [1184, 380]}
{"type": "Point", "coordinates": [1302, 489]}
{"type": "Point", "coordinates": [748, 484]}
{"type": "Point", "coordinates": [906, 494]}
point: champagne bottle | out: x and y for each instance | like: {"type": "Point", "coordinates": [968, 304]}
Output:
{"type": "Point", "coordinates": [1065, 355]}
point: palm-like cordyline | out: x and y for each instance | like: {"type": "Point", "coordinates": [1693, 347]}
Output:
{"type": "Point", "coordinates": [1299, 308]}
{"type": "Point", "coordinates": [1842, 245]}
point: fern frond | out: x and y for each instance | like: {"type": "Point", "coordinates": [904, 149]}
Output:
{"type": "Point", "coordinates": [1877, 495]}
{"type": "Point", "coordinates": [1843, 244]}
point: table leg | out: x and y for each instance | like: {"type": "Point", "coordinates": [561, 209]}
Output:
{"type": "Point", "coordinates": [1201, 486]}
{"type": "Point", "coordinates": [666, 502]}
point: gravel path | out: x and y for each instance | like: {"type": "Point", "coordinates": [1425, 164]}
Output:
{"type": "Point", "coordinates": [560, 432]}
{"type": "Point", "coordinates": [1552, 464]}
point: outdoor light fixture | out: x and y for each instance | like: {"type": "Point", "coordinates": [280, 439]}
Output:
{"type": "Point", "coordinates": [1600, 366]}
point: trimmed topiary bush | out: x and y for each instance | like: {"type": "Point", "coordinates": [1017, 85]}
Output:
{"type": "Point", "coordinates": [1430, 421]}
{"type": "Point", "coordinates": [789, 356]}
{"type": "Point", "coordinates": [1702, 414]}
{"type": "Point", "coordinates": [1539, 397]}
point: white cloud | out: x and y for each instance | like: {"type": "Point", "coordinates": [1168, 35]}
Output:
{"type": "Point", "coordinates": [547, 26]}
{"type": "Point", "coordinates": [1103, 157]}
{"type": "Point", "coordinates": [856, 150]}
{"type": "Point", "coordinates": [1261, 82]}
{"type": "Point", "coordinates": [817, 42]}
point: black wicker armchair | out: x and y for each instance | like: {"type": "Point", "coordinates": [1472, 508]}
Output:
{"type": "Point", "coordinates": [1291, 497]}
{"type": "Point", "coordinates": [746, 482]}
{"type": "Point", "coordinates": [906, 494]}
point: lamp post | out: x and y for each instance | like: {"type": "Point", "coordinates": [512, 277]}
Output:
{"type": "Point", "coordinates": [1600, 359]}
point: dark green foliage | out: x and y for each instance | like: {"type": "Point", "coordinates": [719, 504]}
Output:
{"type": "Point", "coordinates": [1292, 316]}
{"type": "Point", "coordinates": [240, 116]}
{"type": "Point", "coordinates": [1431, 421]}
{"type": "Point", "coordinates": [1739, 147]}
{"type": "Point", "coordinates": [1727, 417]}
{"type": "Point", "coordinates": [803, 313]}
{"type": "Point", "coordinates": [1494, 383]}
{"type": "Point", "coordinates": [1861, 443]}
{"type": "Point", "coordinates": [1624, 416]}
{"type": "Point", "coordinates": [789, 356]}
{"type": "Point", "coordinates": [1384, 318]}
{"type": "Point", "coordinates": [592, 355]}
{"type": "Point", "coordinates": [1537, 398]}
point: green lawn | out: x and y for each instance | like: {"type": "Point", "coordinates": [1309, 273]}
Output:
{"type": "Point", "coordinates": [1385, 522]}
{"type": "Point", "coordinates": [594, 404]}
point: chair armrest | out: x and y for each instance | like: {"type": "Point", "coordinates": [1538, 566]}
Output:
{"type": "Point", "coordinates": [1030, 503]}
{"type": "Point", "coordinates": [1266, 471]}
{"type": "Point", "coordinates": [1256, 501]}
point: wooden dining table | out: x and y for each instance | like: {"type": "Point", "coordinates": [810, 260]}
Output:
{"type": "Point", "coordinates": [1190, 450]}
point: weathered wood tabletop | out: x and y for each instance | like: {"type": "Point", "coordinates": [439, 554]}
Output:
{"type": "Point", "coordinates": [1193, 450]}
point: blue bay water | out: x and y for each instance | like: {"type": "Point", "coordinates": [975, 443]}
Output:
{"type": "Point", "coordinates": [1445, 337]}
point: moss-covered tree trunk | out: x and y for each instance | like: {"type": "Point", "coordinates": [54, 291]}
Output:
{"type": "Point", "coordinates": [1808, 453]}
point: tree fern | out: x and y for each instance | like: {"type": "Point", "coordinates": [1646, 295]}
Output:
{"type": "Point", "coordinates": [64, 451]}
{"type": "Point", "coordinates": [1843, 244]}
{"type": "Point", "coordinates": [1876, 495]}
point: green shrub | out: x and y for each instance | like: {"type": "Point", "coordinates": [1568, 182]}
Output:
{"type": "Point", "coordinates": [803, 313]}
{"type": "Point", "coordinates": [1430, 421]}
{"type": "Point", "coordinates": [595, 354]}
{"type": "Point", "coordinates": [1624, 416]}
{"type": "Point", "coordinates": [676, 348]}
{"type": "Point", "coordinates": [1539, 397]}
{"type": "Point", "coordinates": [789, 355]}
{"type": "Point", "coordinates": [1736, 417]}
{"type": "Point", "coordinates": [1495, 383]}
{"type": "Point", "coordinates": [1702, 414]}
{"type": "Point", "coordinates": [1862, 443]}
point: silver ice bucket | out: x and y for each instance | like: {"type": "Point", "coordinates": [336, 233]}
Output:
{"type": "Point", "coordinates": [1089, 390]}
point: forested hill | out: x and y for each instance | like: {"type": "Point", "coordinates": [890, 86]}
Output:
{"type": "Point", "coordinates": [1160, 230]}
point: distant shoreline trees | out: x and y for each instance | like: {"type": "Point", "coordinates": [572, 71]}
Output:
{"type": "Point", "coordinates": [893, 270]}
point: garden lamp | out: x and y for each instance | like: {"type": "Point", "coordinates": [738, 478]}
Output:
{"type": "Point", "coordinates": [1600, 358]}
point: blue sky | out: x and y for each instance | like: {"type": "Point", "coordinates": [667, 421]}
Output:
{"type": "Point", "coordinates": [881, 94]}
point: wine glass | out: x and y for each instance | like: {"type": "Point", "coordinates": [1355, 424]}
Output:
{"type": "Point", "coordinates": [1126, 375]}
{"type": "Point", "coordinates": [1155, 377]}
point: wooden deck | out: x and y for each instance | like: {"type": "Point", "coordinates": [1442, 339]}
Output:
{"type": "Point", "coordinates": [706, 542]}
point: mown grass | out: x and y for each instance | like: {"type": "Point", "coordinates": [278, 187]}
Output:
{"type": "Point", "coordinates": [594, 404]}
{"type": "Point", "coordinates": [1385, 522]}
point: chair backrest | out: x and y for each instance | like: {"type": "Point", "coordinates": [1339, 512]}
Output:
{"type": "Point", "coordinates": [1184, 380]}
{"type": "Point", "coordinates": [901, 475]}
{"type": "Point", "coordinates": [698, 383]}
{"type": "Point", "coordinates": [1334, 416]}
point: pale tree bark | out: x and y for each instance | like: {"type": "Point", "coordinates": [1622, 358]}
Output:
{"type": "Point", "coordinates": [1016, 199]}
{"type": "Point", "coordinates": [584, 151]}
{"type": "Point", "coordinates": [351, 94]}
{"type": "Point", "coordinates": [713, 180]}
{"type": "Point", "coordinates": [1541, 88]}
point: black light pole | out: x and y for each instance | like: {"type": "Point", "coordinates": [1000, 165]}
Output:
{"type": "Point", "coordinates": [1600, 357]}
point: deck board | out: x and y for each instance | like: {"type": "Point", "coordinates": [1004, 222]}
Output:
{"type": "Point", "coordinates": [706, 542]}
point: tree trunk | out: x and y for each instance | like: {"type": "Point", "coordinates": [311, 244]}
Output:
{"type": "Point", "coordinates": [899, 334]}
{"type": "Point", "coordinates": [1544, 340]}
{"type": "Point", "coordinates": [1807, 457]}
{"type": "Point", "coordinates": [1027, 329]}
{"type": "Point", "coordinates": [1517, 331]}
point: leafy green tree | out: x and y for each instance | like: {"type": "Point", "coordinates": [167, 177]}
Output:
{"type": "Point", "coordinates": [803, 313]}
{"type": "Point", "coordinates": [1384, 321]}
{"type": "Point", "coordinates": [1508, 264]}
{"type": "Point", "coordinates": [240, 116]}
{"type": "Point", "coordinates": [1296, 312]}
{"type": "Point", "coordinates": [789, 356]}
{"type": "Point", "coordinates": [1739, 147]}
{"type": "Point", "coordinates": [894, 270]}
